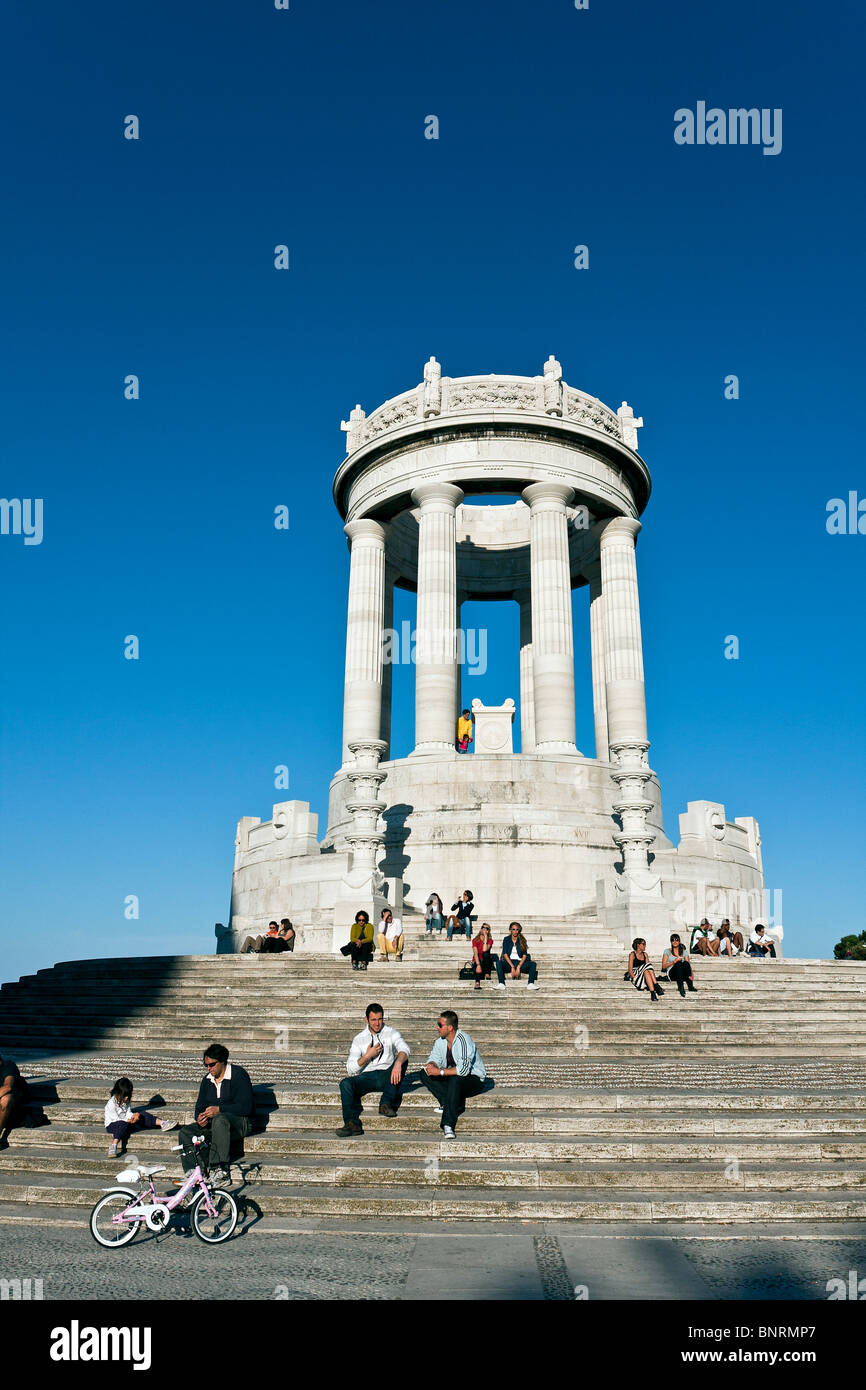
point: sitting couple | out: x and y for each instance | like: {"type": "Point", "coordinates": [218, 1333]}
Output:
{"type": "Point", "coordinates": [276, 939]}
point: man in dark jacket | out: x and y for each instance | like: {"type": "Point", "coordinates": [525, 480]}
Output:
{"type": "Point", "coordinates": [223, 1112]}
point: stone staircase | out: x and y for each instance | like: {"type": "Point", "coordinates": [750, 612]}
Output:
{"type": "Point", "coordinates": [741, 1103]}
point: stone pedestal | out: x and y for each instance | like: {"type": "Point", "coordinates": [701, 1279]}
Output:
{"type": "Point", "coordinates": [494, 727]}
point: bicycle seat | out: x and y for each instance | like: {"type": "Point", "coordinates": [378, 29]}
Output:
{"type": "Point", "coordinates": [150, 1170]}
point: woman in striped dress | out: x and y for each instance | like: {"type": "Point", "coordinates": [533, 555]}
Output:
{"type": "Point", "coordinates": [640, 972]}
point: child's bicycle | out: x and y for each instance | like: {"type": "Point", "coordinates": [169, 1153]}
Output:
{"type": "Point", "coordinates": [120, 1214]}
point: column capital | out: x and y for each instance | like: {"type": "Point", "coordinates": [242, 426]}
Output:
{"type": "Point", "coordinates": [447, 495]}
{"type": "Point", "coordinates": [548, 496]}
{"type": "Point", "coordinates": [616, 528]}
{"type": "Point", "coordinates": [365, 528]}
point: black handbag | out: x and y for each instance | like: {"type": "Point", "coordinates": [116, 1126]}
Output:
{"type": "Point", "coordinates": [467, 972]}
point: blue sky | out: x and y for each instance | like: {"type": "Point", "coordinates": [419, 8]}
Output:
{"type": "Point", "coordinates": [155, 257]}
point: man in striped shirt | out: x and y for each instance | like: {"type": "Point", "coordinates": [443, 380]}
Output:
{"type": "Point", "coordinates": [454, 1070]}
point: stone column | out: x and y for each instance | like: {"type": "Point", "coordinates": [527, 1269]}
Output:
{"type": "Point", "coordinates": [435, 643]}
{"type": "Point", "coordinates": [362, 692]}
{"type": "Point", "coordinates": [552, 637]}
{"type": "Point", "coordinates": [624, 690]}
{"type": "Point", "coordinates": [527, 693]}
{"type": "Point", "coordinates": [596, 641]}
{"type": "Point", "coordinates": [387, 666]}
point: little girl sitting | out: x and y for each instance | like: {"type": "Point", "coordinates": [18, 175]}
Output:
{"type": "Point", "coordinates": [120, 1118]}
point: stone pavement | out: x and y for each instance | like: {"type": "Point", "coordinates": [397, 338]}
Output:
{"type": "Point", "coordinates": [519, 1261]}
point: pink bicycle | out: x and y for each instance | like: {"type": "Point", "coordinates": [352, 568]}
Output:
{"type": "Point", "coordinates": [119, 1215]}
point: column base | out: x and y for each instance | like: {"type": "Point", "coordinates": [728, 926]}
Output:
{"type": "Point", "coordinates": [435, 749]}
{"type": "Point", "coordinates": [558, 748]}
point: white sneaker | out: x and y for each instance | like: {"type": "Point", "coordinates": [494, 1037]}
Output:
{"type": "Point", "coordinates": [437, 1109]}
{"type": "Point", "coordinates": [500, 986]}
{"type": "Point", "coordinates": [532, 986]}
{"type": "Point", "coordinates": [168, 1124]}
{"type": "Point", "coordinates": [448, 1132]}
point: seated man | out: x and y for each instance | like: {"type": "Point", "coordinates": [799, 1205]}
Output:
{"type": "Point", "coordinates": [760, 945]}
{"type": "Point", "coordinates": [261, 943]}
{"type": "Point", "coordinates": [390, 936]}
{"type": "Point", "coordinates": [454, 1071]}
{"type": "Point", "coordinates": [13, 1093]}
{"type": "Point", "coordinates": [675, 962]}
{"type": "Point", "coordinates": [514, 958]}
{"type": "Point", "coordinates": [704, 939]}
{"type": "Point", "coordinates": [376, 1062]}
{"type": "Point", "coordinates": [223, 1113]}
{"type": "Point", "coordinates": [730, 942]}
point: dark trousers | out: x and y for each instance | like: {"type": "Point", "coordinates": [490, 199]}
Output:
{"type": "Point", "coordinates": [220, 1133]}
{"type": "Point", "coordinates": [353, 1088]}
{"type": "Point", "coordinates": [755, 950]}
{"type": "Point", "coordinates": [121, 1129]}
{"type": "Point", "coordinates": [528, 968]}
{"type": "Point", "coordinates": [451, 1093]}
{"type": "Point", "coordinates": [488, 960]}
{"type": "Point", "coordinates": [681, 973]}
{"type": "Point", "coordinates": [360, 951]}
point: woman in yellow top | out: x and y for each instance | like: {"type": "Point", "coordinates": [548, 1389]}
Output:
{"type": "Point", "coordinates": [360, 944]}
{"type": "Point", "coordinates": [464, 731]}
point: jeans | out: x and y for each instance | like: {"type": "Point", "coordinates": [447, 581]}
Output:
{"type": "Point", "coordinates": [353, 1088]}
{"type": "Point", "coordinates": [220, 1133]}
{"type": "Point", "coordinates": [528, 967]}
{"type": "Point", "coordinates": [437, 921]}
{"type": "Point", "coordinates": [451, 1093]}
{"type": "Point", "coordinates": [121, 1129]}
{"type": "Point", "coordinates": [464, 928]}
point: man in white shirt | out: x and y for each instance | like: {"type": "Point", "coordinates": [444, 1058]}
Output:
{"type": "Point", "coordinates": [376, 1062]}
{"type": "Point", "coordinates": [390, 936]}
{"type": "Point", "coordinates": [761, 945]}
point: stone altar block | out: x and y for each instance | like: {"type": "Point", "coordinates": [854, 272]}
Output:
{"type": "Point", "coordinates": [494, 727]}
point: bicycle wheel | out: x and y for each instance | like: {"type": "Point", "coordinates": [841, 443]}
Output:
{"type": "Point", "coordinates": [213, 1230]}
{"type": "Point", "coordinates": [104, 1229]}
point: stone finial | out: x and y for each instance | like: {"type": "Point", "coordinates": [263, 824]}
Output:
{"type": "Point", "coordinates": [432, 387]}
{"type": "Point", "coordinates": [629, 425]}
{"type": "Point", "coordinates": [352, 426]}
{"type": "Point", "coordinates": [552, 386]}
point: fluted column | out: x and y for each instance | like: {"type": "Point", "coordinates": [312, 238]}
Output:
{"type": "Point", "coordinates": [552, 637]}
{"type": "Point", "coordinates": [362, 692]}
{"type": "Point", "coordinates": [527, 692]}
{"type": "Point", "coordinates": [596, 642]}
{"type": "Point", "coordinates": [624, 681]}
{"type": "Point", "coordinates": [624, 690]}
{"type": "Point", "coordinates": [387, 664]}
{"type": "Point", "coordinates": [436, 674]}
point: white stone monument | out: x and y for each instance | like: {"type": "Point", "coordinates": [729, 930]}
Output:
{"type": "Point", "coordinates": [569, 842]}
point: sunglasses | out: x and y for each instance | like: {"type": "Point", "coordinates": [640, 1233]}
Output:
{"type": "Point", "coordinates": [211, 1064]}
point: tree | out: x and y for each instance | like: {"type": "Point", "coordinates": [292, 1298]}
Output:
{"type": "Point", "coordinates": [851, 947]}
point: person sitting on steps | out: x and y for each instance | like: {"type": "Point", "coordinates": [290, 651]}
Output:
{"type": "Point", "coordinates": [390, 936]}
{"type": "Point", "coordinates": [483, 956]}
{"type": "Point", "coordinates": [640, 972]}
{"type": "Point", "coordinates": [434, 913]}
{"type": "Point", "coordinates": [262, 943]}
{"type": "Point", "coordinates": [675, 961]}
{"type": "Point", "coordinates": [515, 958]}
{"type": "Point", "coordinates": [223, 1113]}
{"type": "Point", "coordinates": [730, 942]}
{"type": "Point", "coordinates": [460, 919]}
{"type": "Point", "coordinates": [704, 939]}
{"type": "Point", "coordinates": [360, 945]}
{"type": "Point", "coordinates": [121, 1119]}
{"type": "Point", "coordinates": [376, 1062]}
{"type": "Point", "coordinates": [761, 945]}
{"type": "Point", "coordinates": [13, 1093]}
{"type": "Point", "coordinates": [454, 1071]}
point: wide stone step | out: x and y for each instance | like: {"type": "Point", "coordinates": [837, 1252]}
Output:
{"type": "Point", "coordinates": [403, 1145]}
{"type": "Point", "coordinates": [447, 1166]}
